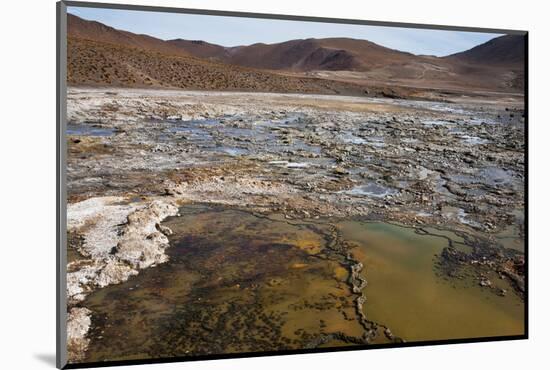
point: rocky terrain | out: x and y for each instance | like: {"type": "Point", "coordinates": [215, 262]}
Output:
{"type": "Point", "coordinates": [136, 155]}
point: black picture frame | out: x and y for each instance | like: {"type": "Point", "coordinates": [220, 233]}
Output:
{"type": "Point", "coordinates": [61, 194]}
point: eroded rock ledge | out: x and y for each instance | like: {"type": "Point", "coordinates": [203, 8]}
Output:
{"type": "Point", "coordinates": [119, 239]}
{"type": "Point", "coordinates": [78, 324]}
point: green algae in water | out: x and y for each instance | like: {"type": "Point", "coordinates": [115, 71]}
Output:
{"type": "Point", "coordinates": [405, 294]}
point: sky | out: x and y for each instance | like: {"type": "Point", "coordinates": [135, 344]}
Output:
{"type": "Point", "coordinates": [233, 31]}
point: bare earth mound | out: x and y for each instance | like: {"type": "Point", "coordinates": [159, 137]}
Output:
{"type": "Point", "coordinates": [100, 55]}
{"type": "Point", "coordinates": [99, 63]}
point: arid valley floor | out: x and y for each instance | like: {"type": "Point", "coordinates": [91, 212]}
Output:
{"type": "Point", "coordinates": [217, 222]}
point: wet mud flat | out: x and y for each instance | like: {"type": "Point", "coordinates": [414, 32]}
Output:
{"type": "Point", "coordinates": [241, 222]}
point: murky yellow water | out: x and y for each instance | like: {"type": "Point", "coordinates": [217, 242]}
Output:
{"type": "Point", "coordinates": [510, 238]}
{"type": "Point", "coordinates": [404, 292]}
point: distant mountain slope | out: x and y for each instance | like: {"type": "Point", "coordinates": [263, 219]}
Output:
{"type": "Point", "coordinates": [495, 65]}
{"type": "Point", "coordinates": [95, 31]}
{"type": "Point", "coordinates": [201, 49]}
{"type": "Point", "coordinates": [330, 65]}
{"type": "Point", "coordinates": [302, 55]}
{"type": "Point", "coordinates": [503, 50]}
{"type": "Point", "coordinates": [100, 63]}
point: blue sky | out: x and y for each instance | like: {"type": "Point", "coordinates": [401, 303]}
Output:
{"type": "Point", "coordinates": [232, 31]}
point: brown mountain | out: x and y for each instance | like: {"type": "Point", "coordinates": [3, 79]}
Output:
{"type": "Point", "coordinates": [100, 54]}
{"type": "Point", "coordinates": [503, 50]}
{"type": "Point", "coordinates": [201, 49]}
{"type": "Point", "coordinates": [95, 31]}
{"type": "Point", "coordinates": [95, 63]}
{"type": "Point", "coordinates": [301, 55]}
{"type": "Point", "coordinates": [495, 65]}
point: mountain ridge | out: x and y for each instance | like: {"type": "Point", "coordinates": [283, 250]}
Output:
{"type": "Point", "coordinates": [351, 64]}
{"type": "Point", "coordinates": [507, 49]}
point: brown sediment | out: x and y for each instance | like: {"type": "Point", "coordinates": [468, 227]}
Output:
{"type": "Point", "coordinates": [402, 272]}
{"type": "Point", "coordinates": [227, 277]}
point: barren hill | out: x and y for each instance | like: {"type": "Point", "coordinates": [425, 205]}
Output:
{"type": "Point", "coordinates": [301, 55]}
{"type": "Point", "coordinates": [102, 55]}
{"type": "Point", "coordinates": [496, 65]}
{"type": "Point", "coordinates": [99, 54]}
{"type": "Point", "coordinates": [100, 63]}
{"type": "Point", "coordinates": [96, 31]}
{"type": "Point", "coordinates": [503, 50]}
{"type": "Point", "coordinates": [201, 49]}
